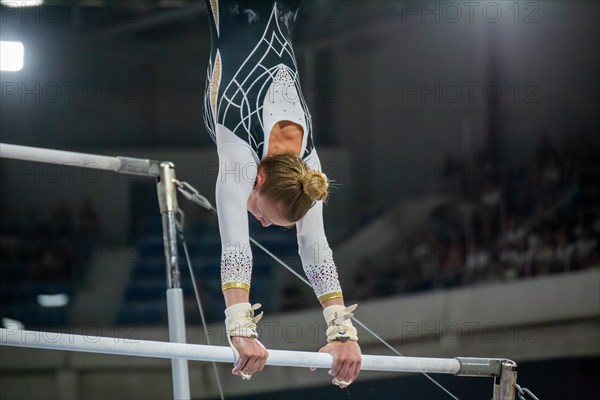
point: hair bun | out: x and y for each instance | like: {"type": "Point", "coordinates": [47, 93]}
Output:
{"type": "Point", "coordinates": [315, 185]}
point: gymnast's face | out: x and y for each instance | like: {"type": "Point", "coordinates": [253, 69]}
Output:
{"type": "Point", "coordinates": [263, 209]}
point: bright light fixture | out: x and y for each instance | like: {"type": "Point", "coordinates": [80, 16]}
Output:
{"type": "Point", "coordinates": [53, 300]}
{"type": "Point", "coordinates": [21, 3]}
{"type": "Point", "coordinates": [11, 56]}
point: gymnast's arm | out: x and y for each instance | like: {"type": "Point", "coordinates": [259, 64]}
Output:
{"type": "Point", "coordinates": [320, 269]}
{"type": "Point", "coordinates": [317, 257]}
{"type": "Point", "coordinates": [314, 250]}
{"type": "Point", "coordinates": [237, 172]}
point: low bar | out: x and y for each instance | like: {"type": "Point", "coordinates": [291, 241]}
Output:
{"type": "Point", "coordinates": [146, 348]}
{"type": "Point", "coordinates": [121, 165]}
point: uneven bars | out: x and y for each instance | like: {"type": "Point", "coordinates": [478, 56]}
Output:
{"type": "Point", "coordinates": [121, 165]}
{"type": "Point", "coordinates": [155, 349]}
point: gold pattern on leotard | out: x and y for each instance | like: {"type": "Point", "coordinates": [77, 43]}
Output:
{"type": "Point", "coordinates": [214, 5]}
{"type": "Point", "coordinates": [215, 81]}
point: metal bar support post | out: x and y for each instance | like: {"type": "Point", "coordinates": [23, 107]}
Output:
{"type": "Point", "coordinates": [504, 385]}
{"type": "Point", "coordinates": [167, 198]}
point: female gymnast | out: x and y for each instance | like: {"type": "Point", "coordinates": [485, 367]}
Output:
{"type": "Point", "coordinates": [268, 165]}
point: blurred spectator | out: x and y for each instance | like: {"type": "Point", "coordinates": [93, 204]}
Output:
{"type": "Point", "coordinates": [564, 251]}
{"type": "Point", "coordinates": [513, 233]}
{"type": "Point", "coordinates": [454, 260]}
{"type": "Point", "coordinates": [476, 263]}
{"type": "Point", "coordinates": [584, 247]}
{"type": "Point", "coordinates": [490, 210]}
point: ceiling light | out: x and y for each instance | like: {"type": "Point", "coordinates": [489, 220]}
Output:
{"type": "Point", "coordinates": [11, 56]}
{"type": "Point", "coordinates": [21, 3]}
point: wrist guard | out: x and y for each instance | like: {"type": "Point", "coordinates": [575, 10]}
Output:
{"type": "Point", "coordinates": [339, 325]}
{"type": "Point", "coordinates": [241, 321]}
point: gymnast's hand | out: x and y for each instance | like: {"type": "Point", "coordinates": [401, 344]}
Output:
{"type": "Point", "coordinates": [347, 359]}
{"type": "Point", "coordinates": [253, 356]}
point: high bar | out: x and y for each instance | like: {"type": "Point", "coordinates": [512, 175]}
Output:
{"type": "Point", "coordinates": [197, 352]}
{"type": "Point", "coordinates": [121, 165]}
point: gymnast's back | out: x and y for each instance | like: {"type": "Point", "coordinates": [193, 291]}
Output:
{"type": "Point", "coordinates": [252, 70]}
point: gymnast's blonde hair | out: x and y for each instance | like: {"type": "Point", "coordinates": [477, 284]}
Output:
{"type": "Point", "coordinates": [292, 184]}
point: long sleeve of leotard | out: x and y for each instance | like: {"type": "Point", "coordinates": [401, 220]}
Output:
{"type": "Point", "coordinates": [314, 250]}
{"type": "Point", "coordinates": [237, 173]}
